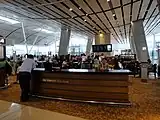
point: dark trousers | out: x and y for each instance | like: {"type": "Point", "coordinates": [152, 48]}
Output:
{"type": "Point", "coordinates": [24, 81]}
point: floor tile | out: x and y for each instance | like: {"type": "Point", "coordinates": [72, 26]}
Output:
{"type": "Point", "coordinates": [7, 108]}
{"type": "Point", "coordinates": [13, 111]}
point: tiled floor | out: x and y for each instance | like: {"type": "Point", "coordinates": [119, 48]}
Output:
{"type": "Point", "coordinates": [13, 111]}
{"type": "Point", "coordinates": [145, 99]}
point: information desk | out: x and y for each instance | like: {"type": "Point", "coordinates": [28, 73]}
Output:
{"type": "Point", "coordinates": [82, 85]}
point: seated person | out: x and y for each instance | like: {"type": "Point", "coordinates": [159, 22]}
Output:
{"type": "Point", "coordinates": [64, 64]}
{"type": "Point", "coordinates": [48, 66]}
{"type": "Point", "coordinates": [104, 65]}
{"type": "Point", "coordinates": [116, 65]}
{"type": "Point", "coordinates": [19, 66]}
{"type": "Point", "coordinates": [96, 63]}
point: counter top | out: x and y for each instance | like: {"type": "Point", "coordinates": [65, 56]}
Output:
{"type": "Point", "coordinates": [86, 71]}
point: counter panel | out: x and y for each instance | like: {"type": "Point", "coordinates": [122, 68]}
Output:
{"type": "Point", "coordinates": [82, 86]}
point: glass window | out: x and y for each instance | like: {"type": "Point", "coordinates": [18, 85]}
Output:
{"type": "Point", "coordinates": [77, 44]}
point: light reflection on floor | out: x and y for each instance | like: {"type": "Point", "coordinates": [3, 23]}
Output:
{"type": "Point", "coordinates": [13, 111]}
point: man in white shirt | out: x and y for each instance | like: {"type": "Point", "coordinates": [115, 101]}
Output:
{"type": "Point", "coordinates": [25, 76]}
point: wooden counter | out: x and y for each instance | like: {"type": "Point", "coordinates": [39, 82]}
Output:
{"type": "Point", "coordinates": [82, 85]}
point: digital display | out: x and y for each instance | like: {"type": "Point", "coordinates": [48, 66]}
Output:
{"type": "Point", "coordinates": [102, 48]}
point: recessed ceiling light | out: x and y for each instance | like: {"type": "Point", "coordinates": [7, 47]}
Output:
{"type": "Point", "coordinates": [86, 14]}
{"type": "Point", "coordinates": [70, 9]}
{"type": "Point", "coordinates": [114, 14]}
{"type": "Point", "coordinates": [108, 0]}
{"type": "Point", "coordinates": [85, 20]}
{"type": "Point", "coordinates": [80, 8]}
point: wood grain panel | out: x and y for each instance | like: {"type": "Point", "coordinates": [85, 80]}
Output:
{"type": "Point", "coordinates": [69, 87]}
{"type": "Point", "coordinates": [86, 76]}
{"type": "Point", "coordinates": [62, 93]}
{"type": "Point", "coordinates": [94, 83]}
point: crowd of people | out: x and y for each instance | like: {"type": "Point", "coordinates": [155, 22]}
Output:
{"type": "Point", "coordinates": [98, 62]}
{"type": "Point", "coordinates": [23, 65]}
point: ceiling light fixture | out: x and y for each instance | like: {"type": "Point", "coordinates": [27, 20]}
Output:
{"type": "Point", "coordinates": [9, 20]}
{"type": "Point", "coordinates": [43, 30]}
{"type": "Point", "coordinates": [114, 14]}
{"type": "Point", "coordinates": [85, 20]}
{"type": "Point", "coordinates": [86, 14]}
{"type": "Point", "coordinates": [70, 9]}
{"type": "Point", "coordinates": [108, 0]}
{"type": "Point", "coordinates": [80, 8]}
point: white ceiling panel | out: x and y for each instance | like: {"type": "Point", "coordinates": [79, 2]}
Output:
{"type": "Point", "coordinates": [71, 5]}
{"type": "Point", "coordinates": [143, 8]}
{"type": "Point", "coordinates": [115, 3]}
{"type": "Point", "coordinates": [83, 6]}
{"type": "Point", "coordinates": [104, 4]}
{"type": "Point", "coordinates": [126, 10]}
{"type": "Point", "coordinates": [93, 5]}
{"type": "Point", "coordinates": [97, 21]}
{"type": "Point", "coordinates": [119, 16]}
{"type": "Point", "coordinates": [126, 1]}
{"type": "Point", "coordinates": [153, 6]}
{"type": "Point", "coordinates": [135, 10]}
{"type": "Point", "coordinates": [103, 18]}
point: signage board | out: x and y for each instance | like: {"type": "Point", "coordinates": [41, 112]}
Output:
{"type": "Point", "coordinates": [102, 48]}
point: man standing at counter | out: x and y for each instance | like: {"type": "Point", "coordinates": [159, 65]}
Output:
{"type": "Point", "coordinates": [25, 76]}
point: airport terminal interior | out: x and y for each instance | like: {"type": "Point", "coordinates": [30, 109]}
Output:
{"type": "Point", "coordinates": [79, 60]}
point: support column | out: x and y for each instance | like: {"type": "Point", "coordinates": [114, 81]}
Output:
{"type": "Point", "coordinates": [141, 47]}
{"type": "Point", "coordinates": [64, 40]}
{"type": "Point", "coordinates": [89, 45]}
{"type": "Point", "coordinates": [140, 41]}
{"type": "Point", "coordinates": [132, 45]}
{"type": "Point", "coordinates": [103, 39]}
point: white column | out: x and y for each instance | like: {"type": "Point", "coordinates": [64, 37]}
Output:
{"type": "Point", "coordinates": [89, 45]}
{"type": "Point", "coordinates": [64, 40]}
{"type": "Point", "coordinates": [140, 41]}
{"type": "Point", "coordinates": [132, 45]}
{"type": "Point", "coordinates": [141, 47]}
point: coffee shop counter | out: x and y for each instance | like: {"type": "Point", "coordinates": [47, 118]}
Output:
{"type": "Point", "coordinates": [82, 85]}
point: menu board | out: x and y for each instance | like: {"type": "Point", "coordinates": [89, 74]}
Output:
{"type": "Point", "coordinates": [102, 48]}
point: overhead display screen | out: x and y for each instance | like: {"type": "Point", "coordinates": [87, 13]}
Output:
{"type": "Point", "coordinates": [102, 48]}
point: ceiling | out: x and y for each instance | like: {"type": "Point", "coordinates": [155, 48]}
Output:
{"type": "Point", "coordinates": [83, 16]}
